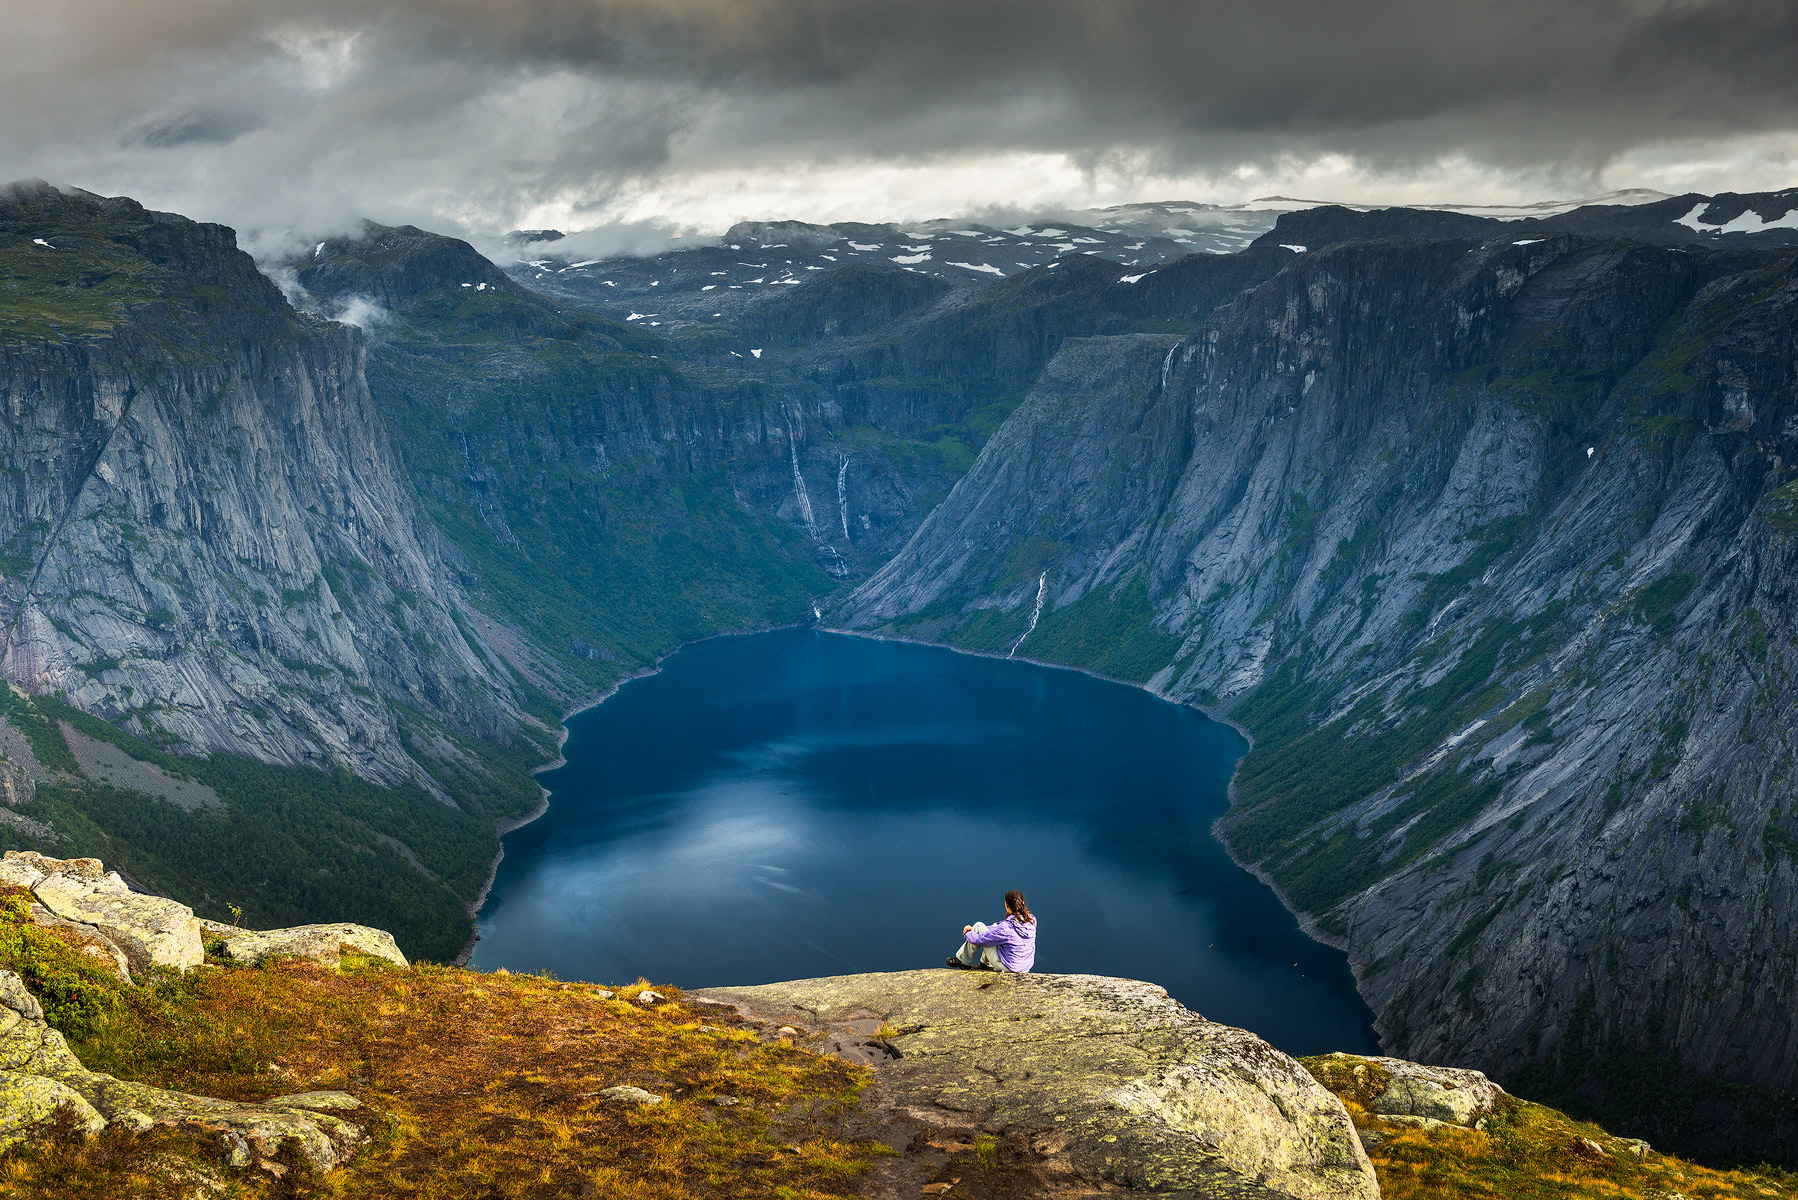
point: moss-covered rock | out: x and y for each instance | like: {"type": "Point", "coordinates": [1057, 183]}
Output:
{"type": "Point", "coordinates": [40, 1075]}
{"type": "Point", "coordinates": [150, 930]}
{"type": "Point", "coordinates": [28, 1101]}
{"type": "Point", "coordinates": [47, 978]}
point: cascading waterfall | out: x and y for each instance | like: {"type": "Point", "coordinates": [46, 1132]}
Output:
{"type": "Point", "coordinates": [799, 492]}
{"type": "Point", "coordinates": [1042, 589]}
{"type": "Point", "coordinates": [837, 566]}
{"type": "Point", "coordinates": [843, 494]}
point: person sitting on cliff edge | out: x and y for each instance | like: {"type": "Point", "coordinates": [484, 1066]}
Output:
{"type": "Point", "coordinates": [1009, 945]}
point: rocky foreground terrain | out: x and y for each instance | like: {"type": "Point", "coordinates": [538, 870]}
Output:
{"type": "Point", "coordinates": [1482, 530]}
{"type": "Point", "coordinates": [95, 916]}
{"type": "Point", "coordinates": [365, 1076]}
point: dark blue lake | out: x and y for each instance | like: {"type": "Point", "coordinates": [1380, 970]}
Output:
{"type": "Point", "coordinates": [797, 803]}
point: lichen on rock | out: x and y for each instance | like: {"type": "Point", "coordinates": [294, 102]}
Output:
{"type": "Point", "coordinates": [40, 1075]}
{"type": "Point", "coordinates": [1394, 1088]}
{"type": "Point", "coordinates": [321, 943]}
{"type": "Point", "coordinates": [150, 930]}
{"type": "Point", "coordinates": [91, 910]}
{"type": "Point", "coordinates": [27, 1101]}
{"type": "Point", "coordinates": [1114, 1077]}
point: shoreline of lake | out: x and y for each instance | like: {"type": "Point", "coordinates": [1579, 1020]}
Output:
{"type": "Point", "coordinates": [884, 799]}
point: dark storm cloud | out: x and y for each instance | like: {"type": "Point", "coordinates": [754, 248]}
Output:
{"type": "Point", "coordinates": [1265, 67]}
{"type": "Point", "coordinates": [473, 110]}
{"type": "Point", "coordinates": [206, 126]}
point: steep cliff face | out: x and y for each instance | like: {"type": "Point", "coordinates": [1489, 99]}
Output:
{"type": "Point", "coordinates": [605, 492]}
{"type": "Point", "coordinates": [1488, 539]}
{"type": "Point", "coordinates": [1489, 544]}
{"type": "Point", "coordinates": [208, 545]}
{"type": "Point", "coordinates": [206, 537]}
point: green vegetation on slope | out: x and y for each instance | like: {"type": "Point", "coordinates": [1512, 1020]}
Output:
{"type": "Point", "coordinates": [662, 566]}
{"type": "Point", "coordinates": [1110, 632]}
{"type": "Point", "coordinates": [79, 992]}
{"type": "Point", "coordinates": [1628, 1086]}
{"type": "Point", "coordinates": [294, 845]}
{"type": "Point", "coordinates": [1299, 774]}
{"type": "Point", "coordinates": [606, 565]}
{"type": "Point", "coordinates": [1653, 603]}
{"type": "Point", "coordinates": [80, 267]}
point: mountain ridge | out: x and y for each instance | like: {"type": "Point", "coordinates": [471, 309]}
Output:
{"type": "Point", "coordinates": [1268, 553]}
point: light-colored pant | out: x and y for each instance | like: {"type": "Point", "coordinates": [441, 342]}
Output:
{"type": "Point", "coordinates": [979, 956]}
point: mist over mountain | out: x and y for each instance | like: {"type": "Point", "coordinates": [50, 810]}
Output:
{"type": "Point", "coordinates": [691, 115]}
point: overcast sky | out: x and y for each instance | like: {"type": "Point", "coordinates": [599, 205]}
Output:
{"type": "Point", "coordinates": [479, 116]}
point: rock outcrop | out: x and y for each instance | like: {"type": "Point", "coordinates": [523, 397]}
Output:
{"type": "Point", "coordinates": [40, 1077]}
{"type": "Point", "coordinates": [1110, 1079]}
{"type": "Point", "coordinates": [148, 930]}
{"type": "Point", "coordinates": [139, 931]}
{"type": "Point", "coordinates": [1408, 1091]}
{"type": "Point", "coordinates": [320, 943]}
{"type": "Point", "coordinates": [215, 547]}
{"type": "Point", "coordinates": [1488, 538]}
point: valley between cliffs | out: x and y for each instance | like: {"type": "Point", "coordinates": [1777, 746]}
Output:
{"type": "Point", "coordinates": [1484, 532]}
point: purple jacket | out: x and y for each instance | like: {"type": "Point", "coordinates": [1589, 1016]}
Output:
{"type": "Point", "coordinates": [1015, 941]}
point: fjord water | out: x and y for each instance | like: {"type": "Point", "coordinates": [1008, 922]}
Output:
{"type": "Point", "coordinates": [797, 803]}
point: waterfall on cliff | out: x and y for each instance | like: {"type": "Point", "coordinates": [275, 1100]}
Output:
{"type": "Point", "coordinates": [1042, 587]}
{"type": "Point", "coordinates": [843, 494]}
{"type": "Point", "coordinates": [799, 492]}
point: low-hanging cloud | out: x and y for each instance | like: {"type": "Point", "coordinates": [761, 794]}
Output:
{"type": "Point", "coordinates": [485, 114]}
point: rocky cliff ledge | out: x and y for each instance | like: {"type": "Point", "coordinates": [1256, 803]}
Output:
{"type": "Point", "coordinates": [44, 1085]}
{"type": "Point", "coordinates": [1106, 1081]}
{"type": "Point", "coordinates": [145, 1052]}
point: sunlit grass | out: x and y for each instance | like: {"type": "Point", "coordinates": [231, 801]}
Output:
{"type": "Point", "coordinates": [1531, 1152]}
{"type": "Point", "coordinates": [475, 1085]}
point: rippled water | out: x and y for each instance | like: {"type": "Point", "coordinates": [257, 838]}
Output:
{"type": "Point", "coordinates": [797, 803]}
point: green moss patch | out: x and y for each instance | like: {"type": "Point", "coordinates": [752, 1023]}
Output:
{"type": "Point", "coordinates": [79, 992]}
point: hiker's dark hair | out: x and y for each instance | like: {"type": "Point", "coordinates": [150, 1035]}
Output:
{"type": "Point", "coordinates": [1014, 904]}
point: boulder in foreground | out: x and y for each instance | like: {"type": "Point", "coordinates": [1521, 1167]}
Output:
{"type": "Point", "coordinates": [147, 931]}
{"type": "Point", "coordinates": [40, 1075]}
{"type": "Point", "coordinates": [1408, 1091]}
{"type": "Point", "coordinates": [320, 943]}
{"type": "Point", "coordinates": [1111, 1077]}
